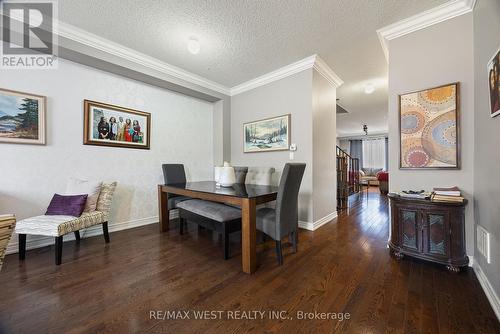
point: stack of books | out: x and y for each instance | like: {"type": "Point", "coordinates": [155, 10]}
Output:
{"type": "Point", "coordinates": [447, 195]}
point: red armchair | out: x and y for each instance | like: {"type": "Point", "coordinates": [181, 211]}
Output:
{"type": "Point", "coordinates": [383, 179]}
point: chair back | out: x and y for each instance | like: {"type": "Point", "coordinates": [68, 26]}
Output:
{"type": "Point", "coordinates": [105, 198]}
{"type": "Point", "coordinates": [172, 174]}
{"type": "Point", "coordinates": [240, 174]}
{"type": "Point", "coordinates": [287, 200]}
{"type": "Point", "coordinates": [259, 175]}
{"type": "Point", "coordinates": [7, 224]}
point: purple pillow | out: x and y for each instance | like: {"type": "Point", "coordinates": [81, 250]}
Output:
{"type": "Point", "coordinates": [68, 205]}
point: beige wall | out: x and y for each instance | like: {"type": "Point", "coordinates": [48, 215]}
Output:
{"type": "Point", "coordinates": [311, 101]}
{"type": "Point", "coordinates": [487, 137]}
{"type": "Point", "coordinates": [324, 109]}
{"type": "Point", "coordinates": [434, 56]}
{"type": "Point", "coordinates": [290, 95]}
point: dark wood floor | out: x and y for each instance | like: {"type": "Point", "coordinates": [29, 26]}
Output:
{"type": "Point", "coordinates": [342, 267]}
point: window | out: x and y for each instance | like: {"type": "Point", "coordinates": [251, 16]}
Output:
{"type": "Point", "coordinates": [374, 153]}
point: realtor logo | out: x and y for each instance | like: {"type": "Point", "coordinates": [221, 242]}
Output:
{"type": "Point", "coordinates": [28, 36]}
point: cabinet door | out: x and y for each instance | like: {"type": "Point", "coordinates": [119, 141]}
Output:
{"type": "Point", "coordinates": [409, 229]}
{"type": "Point", "coordinates": [436, 233]}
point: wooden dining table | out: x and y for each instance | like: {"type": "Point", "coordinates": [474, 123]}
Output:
{"type": "Point", "coordinates": [247, 196]}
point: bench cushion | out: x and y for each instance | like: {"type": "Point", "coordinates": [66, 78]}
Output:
{"type": "Point", "coordinates": [173, 201]}
{"type": "Point", "coordinates": [56, 226]}
{"type": "Point", "coordinates": [215, 211]}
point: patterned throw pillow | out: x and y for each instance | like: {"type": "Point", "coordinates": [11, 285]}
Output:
{"type": "Point", "coordinates": [91, 188]}
{"type": "Point", "coordinates": [66, 205]}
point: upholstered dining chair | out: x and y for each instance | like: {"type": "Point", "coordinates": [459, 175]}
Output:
{"type": "Point", "coordinates": [283, 220]}
{"type": "Point", "coordinates": [7, 224]}
{"type": "Point", "coordinates": [172, 174]}
{"type": "Point", "coordinates": [240, 174]}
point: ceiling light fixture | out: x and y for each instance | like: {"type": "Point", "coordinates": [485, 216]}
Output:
{"type": "Point", "coordinates": [369, 88]}
{"type": "Point", "coordinates": [193, 45]}
{"type": "Point", "coordinates": [365, 129]}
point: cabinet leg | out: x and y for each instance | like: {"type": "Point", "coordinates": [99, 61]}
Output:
{"type": "Point", "coordinates": [399, 255]}
{"type": "Point", "coordinates": [453, 269]}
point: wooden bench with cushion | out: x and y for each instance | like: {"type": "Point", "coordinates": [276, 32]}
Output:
{"type": "Point", "coordinates": [217, 217]}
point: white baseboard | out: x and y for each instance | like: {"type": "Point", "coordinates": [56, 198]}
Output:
{"type": "Point", "coordinates": [35, 241]}
{"type": "Point", "coordinates": [488, 289]}
{"type": "Point", "coordinates": [318, 223]}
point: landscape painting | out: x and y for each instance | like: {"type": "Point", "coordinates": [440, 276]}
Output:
{"type": "Point", "coordinates": [272, 134]}
{"type": "Point", "coordinates": [22, 117]}
{"type": "Point", "coordinates": [110, 125]}
{"type": "Point", "coordinates": [429, 126]}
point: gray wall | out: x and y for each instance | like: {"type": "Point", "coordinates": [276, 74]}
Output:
{"type": "Point", "coordinates": [324, 106]}
{"type": "Point", "coordinates": [434, 56]}
{"type": "Point", "coordinates": [487, 137]}
{"type": "Point", "coordinates": [291, 95]}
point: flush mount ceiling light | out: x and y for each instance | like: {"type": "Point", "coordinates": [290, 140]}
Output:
{"type": "Point", "coordinates": [369, 88]}
{"type": "Point", "coordinates": [193, 45]}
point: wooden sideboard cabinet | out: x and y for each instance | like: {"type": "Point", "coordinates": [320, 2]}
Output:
{"type": "Point", "coordinates": [428, 230]}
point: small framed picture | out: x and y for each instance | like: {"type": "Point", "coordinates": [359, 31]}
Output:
{"type": "Point", "coordinates": [271, 134]}
{"type": "Point", "coordinates": [494, 84]}
{"type": "Point", "coordinates": [110, 125]}
{"type": "Point", "coordinates": [22, 117]}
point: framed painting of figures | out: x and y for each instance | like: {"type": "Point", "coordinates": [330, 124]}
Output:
{"type": "Point", "coordinates": [110, 125]}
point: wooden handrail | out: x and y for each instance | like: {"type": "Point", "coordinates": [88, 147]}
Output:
{"type": "Point", "coordinates": [347, 177]}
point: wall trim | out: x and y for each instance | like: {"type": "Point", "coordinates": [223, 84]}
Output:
{"type": "Point", "coordinates": [313, 61]}
{"type": "Point", "coordinates": [42, 241]}
{"type": "Point", "coordinates": [318, 223]}
{"type": "Point", "coordinates": [94, 41]}
{"type": "Point", "coordinates": [423, 20]}
{"type": "Point", "coordinates": [488, 289]}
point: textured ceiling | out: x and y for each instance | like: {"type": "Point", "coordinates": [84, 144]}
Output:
{"type": "Point", "coordinates": [243, 39]}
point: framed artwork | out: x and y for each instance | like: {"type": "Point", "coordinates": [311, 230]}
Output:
{"type": "Point", "coordinates": [271, 134]}
{"type": "Point", "coordinates": [22, 117]}
{"type": "Point", "coordinates": [429, 128]}
{"type": "Point", "coordinates": [109, 125]}
{"type": "Point", "coordinates": [494, 84]}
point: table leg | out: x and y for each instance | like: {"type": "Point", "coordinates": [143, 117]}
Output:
{"type": "Point", "coordinates": [248, 235]}
{"type": "Point", "coordinates": [163, 210]}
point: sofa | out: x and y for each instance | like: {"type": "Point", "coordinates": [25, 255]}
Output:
{"type": "Point", "coordinates": [369, 175]}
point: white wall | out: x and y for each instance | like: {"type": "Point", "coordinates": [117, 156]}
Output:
{"type": "Point", "coordinates": [487, 137]}
{"type": "Point", "coordinates": [291, 95]}
{"type": "Point", "coordinates": [324, 113]}
{"type": "Point", "coordinates": [182, 131]}
{"type": "Point", "coordinates": [434, 56]}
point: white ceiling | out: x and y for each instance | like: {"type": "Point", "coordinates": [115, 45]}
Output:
{"type": "Point", "coordinates": [243, 39]}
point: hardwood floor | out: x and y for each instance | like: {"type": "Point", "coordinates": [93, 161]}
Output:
{"type": "Point", "coordinates": [344, 266]}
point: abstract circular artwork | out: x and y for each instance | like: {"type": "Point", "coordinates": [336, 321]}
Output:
{"type": "Point", "coordinates": [428, 123]}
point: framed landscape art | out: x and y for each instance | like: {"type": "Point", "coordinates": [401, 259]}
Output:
{"type": "Point", "coordinates": [271, 134]}
{"type": "Point", "coordinates": [494, 84]}
{"type": "Point", "coordinates": [22, 117]}
{"type": "Point", "coordinates": [109, 125]}
{"type": "Point", "coordinates": [429, 128]}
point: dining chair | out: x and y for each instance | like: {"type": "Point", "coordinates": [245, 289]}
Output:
{"type": "Point", "coordinates": [172, 174]}
{"type": "Point", "coordinates": [240, 174]}
{"type": "Point", "coordinates": [283, 220]}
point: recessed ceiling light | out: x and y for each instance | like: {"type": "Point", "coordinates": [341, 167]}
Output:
{"type": "Point", "coordinates": [193, 45]}
{"type": "Point", "coordinates": [369, 88]}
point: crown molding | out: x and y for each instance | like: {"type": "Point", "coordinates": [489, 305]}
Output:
{"type": "Point", "coordinates": [88, 39]}
{"type": "Point", "coordinates": [423, 20]}
{"type": "Point", "coordinates": [313, 61]}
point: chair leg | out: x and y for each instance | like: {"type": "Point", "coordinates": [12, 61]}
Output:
{"type": "Point", "coordinates": [293, 240]}
{"type": "Point", "coordinates": [181, 226]}
{"type": "Point", "coordinates": [77, 235]}
{"type": "Point", "coordinates": [225, 242]}
{"type": "Point", "coordinates": [22, 246]}
{"type": "Point", "coordinates": [279, 252]}
{"type": "Point", "coordinates": [105, 232]}
{"type": "Point", "coordinates": [59, 246]}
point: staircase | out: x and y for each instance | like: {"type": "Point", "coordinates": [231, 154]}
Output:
{"type": "Point", "coordinates": [347, 177]}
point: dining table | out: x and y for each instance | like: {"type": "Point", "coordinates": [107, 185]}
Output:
{"type": "Point", "coordinates": [246, 196]}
